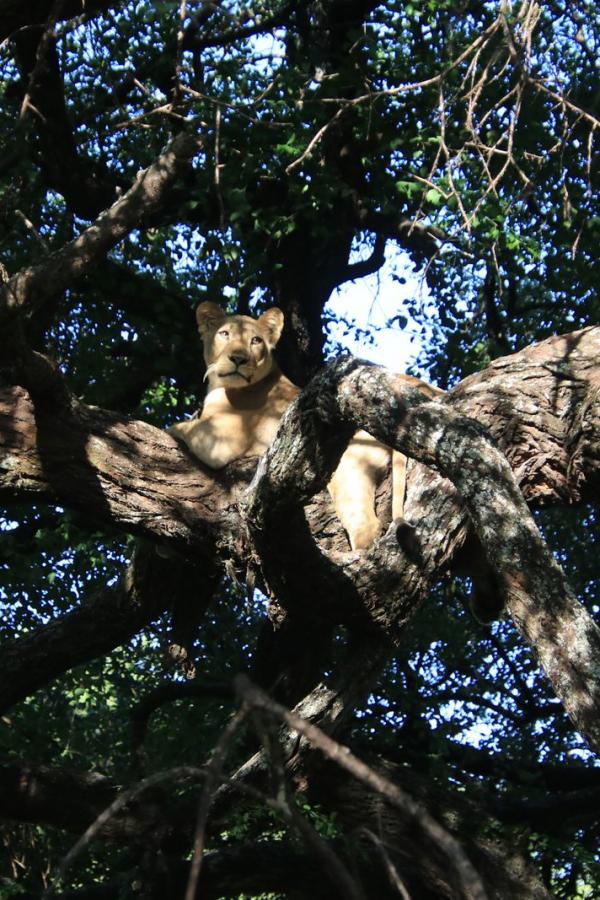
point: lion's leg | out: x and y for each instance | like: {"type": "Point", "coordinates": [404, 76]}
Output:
{"type": "Point", "coordinates": [352, 489]}
{"type": "Point", "coordinates": [354, 502]}
{"type": "Point", "coordinates": [399, 462]}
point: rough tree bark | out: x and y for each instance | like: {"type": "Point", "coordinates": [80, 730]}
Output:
{"type": "Point", "coordinates": [539, 407]}
{"type": "Point", "coordinates": [350, 396]}
{"type": "Point", "coordinates": [526, 430]}
{"type": "Point", "coordinates": [133, 476]}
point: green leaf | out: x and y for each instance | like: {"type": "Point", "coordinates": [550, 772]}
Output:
{"type": "Point", "coordinates": [434, 197]}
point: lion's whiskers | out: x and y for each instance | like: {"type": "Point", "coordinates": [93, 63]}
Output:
{"type": "Point", "coordinates": [209, 369]}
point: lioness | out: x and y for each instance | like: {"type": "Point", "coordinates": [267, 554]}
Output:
{"type": "Point", "coordinates": [248, 394]}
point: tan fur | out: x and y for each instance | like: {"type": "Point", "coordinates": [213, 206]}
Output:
{"type": "Point", "coordinates": [248, 394]}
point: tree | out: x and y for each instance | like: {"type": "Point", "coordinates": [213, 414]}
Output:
{"type": "Point", "coordinates": [158, 154]}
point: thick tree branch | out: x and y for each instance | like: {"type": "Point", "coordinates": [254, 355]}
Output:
{"type": "Point", "coordinates": [549, 814]}
{"type": "Point", "coordinates": [504, 870]}
{"type": "Point", "coordinates": [110, 617]}
{"type": "Point", "coordinates": [71, 800]}
{"type": "Point", "coordinates": [113, 469]}
{"type": "Point", "coordinates": [330, 706]}
{"type": "Point", "coordinates": [541, 404]}
{"type": "Point", "coordinates": [254, 697]}
{"type": "Point", "coordinates": [87, 186]}
{"type": "Point", "coordinates": [194, 40]}
{"type": "Point", "coordinates": [348, 396]}
{"type": "Point", "coordinates": [132, 475]}
{"type": "Point", "coordinates": [411, 235]}
{"type": "Point", "coordinates": [28, 289]}
{"type": "Point", "coordinates": [370, 265]}
{"type": "Point", "coordinates": [55, 796]}
{"type": "Point", "coordinates": [31, 794]}
{"type": "Point", "coordinates": [542, 776]}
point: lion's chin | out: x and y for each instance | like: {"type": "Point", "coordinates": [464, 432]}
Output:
{"type": "Point", "coordinates": [235, 378]}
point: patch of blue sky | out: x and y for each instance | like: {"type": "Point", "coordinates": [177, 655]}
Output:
{"type": "Point", "coordinates": [477, 735]}
{"type": "Point", "coordinates": [369, 317]}
{"type": "Point", "coordinates": [8, 525]}
{"type": "Point", "coordinates": [267, 51]}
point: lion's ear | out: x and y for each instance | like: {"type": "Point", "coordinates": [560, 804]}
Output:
{"type": "Point", "coordinates": [208, 317]}
{"type": "Point", "coordinates": [272, 320]}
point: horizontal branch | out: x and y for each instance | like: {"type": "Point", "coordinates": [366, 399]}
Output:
{"type": "Point", "coordinates": [15, 16]}
{"type": "Point", "coordinates": [56, 796]}
{"type": "Point", "coordinates": [541, 404]}
{"type": "Point", "coordinates": [368, 266]}
{"type": "Point", "coordinates": [537, 777]}
{"type": "Point", "coordinates": [115, 470]}
{"type": "Point", "coordinates": [194, 40]}
{"type": "Point", "coordinates": [408, 233]}
{"type": "Point", "coordinates": [554, 814]}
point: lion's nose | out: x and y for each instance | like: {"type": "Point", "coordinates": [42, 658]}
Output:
{"type": "Point", "coordinates": [238, 359]}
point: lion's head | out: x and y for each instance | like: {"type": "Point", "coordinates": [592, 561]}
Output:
{"type": "Point", "coordinates": [238, 350]}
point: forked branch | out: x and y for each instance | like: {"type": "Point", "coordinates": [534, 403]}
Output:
{"type": "Point", "coordinates": [350, 395]}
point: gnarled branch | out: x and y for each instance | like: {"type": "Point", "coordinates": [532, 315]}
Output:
{"type": "Point", "coordinates": [350, 395]}
{"type": "Point", "coordinates": [542, 404]}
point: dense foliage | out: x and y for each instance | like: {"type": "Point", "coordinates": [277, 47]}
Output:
{"type": "Point", "coordinates": [462, 136]}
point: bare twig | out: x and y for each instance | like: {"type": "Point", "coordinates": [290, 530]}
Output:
{"type": "Point", "coordinates": [389, 865]}
{"type": "Point", "coordinates": [179, 773]}
{"type": "Point", "coordinates": [563, 101]}
{"type": "Point", "coordinates": [254, 697]}
{"type": "Point", "coordinates": [372, 96]}
{"type": "Point", "coordinates": [238, 107]}
{"type": "Point", "coordinates": [33, 231]}
{"type": "Point", "coordinates": [165, 109]}
{"type": "Point", "coordinates": [212, 776]}
{"type": "Point", "coordinates": [218, 166]}
{"type": "Point", "coordinates": [282, 804]}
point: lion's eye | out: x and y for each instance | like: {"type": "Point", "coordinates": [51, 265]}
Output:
{"type": "Point", "coordinates": [223, 332]}
{"type": "Point", "coordinates": [256, 340]}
